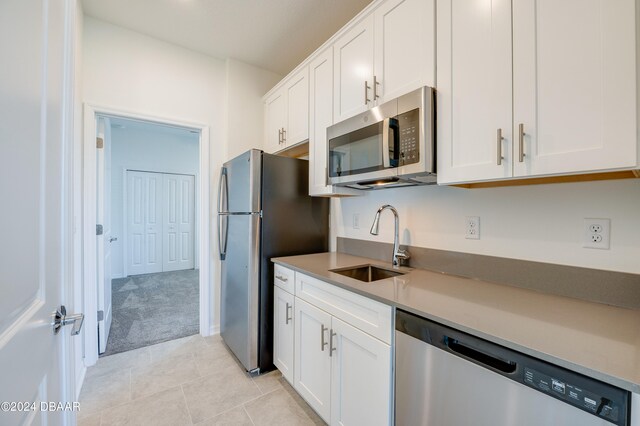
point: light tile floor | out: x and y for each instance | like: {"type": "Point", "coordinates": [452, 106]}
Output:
{"type": "Point", "coordinates": [193, 380]}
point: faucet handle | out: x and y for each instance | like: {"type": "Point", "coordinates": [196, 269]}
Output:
{"type": "Point", "coordinates": [402, 256]}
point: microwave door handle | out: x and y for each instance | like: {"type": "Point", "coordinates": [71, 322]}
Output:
{"type": "Point", "coordinates": [386, 162]}
{"type": "Point", "coordinates": [395, 148]}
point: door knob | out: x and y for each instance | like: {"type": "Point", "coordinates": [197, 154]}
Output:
{"type": "Point", "coordinates": [60, 319]}
{"type": "Point", "coordinates": [112, 239]}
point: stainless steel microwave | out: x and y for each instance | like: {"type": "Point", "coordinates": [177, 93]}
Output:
{"type": "Point", "coordinates": [387, 146]}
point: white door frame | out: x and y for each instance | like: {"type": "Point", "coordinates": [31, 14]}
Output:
{"type": "Point", "coordinates": [89, 220]}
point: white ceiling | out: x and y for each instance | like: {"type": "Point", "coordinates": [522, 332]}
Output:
{"type": "Point", "coordinates": [272, 34]}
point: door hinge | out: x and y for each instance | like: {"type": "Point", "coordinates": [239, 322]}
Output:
{"type": "Point", "coordinates": [99, 143]}
{"type": "Point", "coordinates": [99, 230]}
{"type": "Point", "coordinates": [100, 315]}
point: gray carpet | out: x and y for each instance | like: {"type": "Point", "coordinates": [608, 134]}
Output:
{"type": "Point", "coordinates": [153, 308]}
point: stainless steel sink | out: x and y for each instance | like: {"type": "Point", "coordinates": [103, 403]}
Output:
{"type": "Point", "coordinates": [368, 273]}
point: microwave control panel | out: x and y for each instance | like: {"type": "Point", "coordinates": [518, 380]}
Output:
{"type": "Point", "coordinates": [409, 126]}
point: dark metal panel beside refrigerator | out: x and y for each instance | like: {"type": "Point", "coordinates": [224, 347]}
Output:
{"type": "Point", "coordinates": [280, 219]}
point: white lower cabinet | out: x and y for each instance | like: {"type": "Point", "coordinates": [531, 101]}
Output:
{"type": "Point", "coordinates": [343, 372]}
{"type": "Point", "coordinates": [283, 329]}
{"type": "Point", "coordinates": [312, 364]}
{"type": "Point", "coordinates": [360, 377]}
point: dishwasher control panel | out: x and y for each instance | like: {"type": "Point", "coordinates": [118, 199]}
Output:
{"type": "Point", "coordinates": [591, 400]}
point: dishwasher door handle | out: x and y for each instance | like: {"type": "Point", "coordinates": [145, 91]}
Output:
{"type": "Point", "coordinates": [479, 357]}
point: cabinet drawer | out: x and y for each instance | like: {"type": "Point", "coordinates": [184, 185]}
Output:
{"type": "Point", "coordinates": [368, 315]}
{"type": "Point", "coordinates": [283, 278]}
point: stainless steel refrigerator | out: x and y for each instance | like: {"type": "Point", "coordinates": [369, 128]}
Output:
{"type": "Point", "coordinates": [264, 211]}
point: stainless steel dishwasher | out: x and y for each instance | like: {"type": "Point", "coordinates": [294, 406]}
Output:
{"type": "Point", "coordinates": [445, 377]}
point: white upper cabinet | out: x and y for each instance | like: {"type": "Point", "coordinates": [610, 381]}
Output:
{"type": "Point", "coordinates": [387, 54]}
{"type": "Point", "coordinates": [574, 81]}
{"type": "Point", "coordinates": [404, 47]}
{"type": "Point", "coordinates": [353, 70]}
{"type": "Point", "coordinates": [275, 113]}
{"type": "Point", "coordinates": [297, 88]}
{"type": "Point", "coordinates": [474, 90]}
{"type": "Point", "coordinates": [286, 114]}
{"type": "Point", "coordinates": [321, 113]}
{"type": "Point", "coordinates": [563, 103]}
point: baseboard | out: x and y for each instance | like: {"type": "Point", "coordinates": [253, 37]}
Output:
{"type": "Point", "coordinates": [215, 329]}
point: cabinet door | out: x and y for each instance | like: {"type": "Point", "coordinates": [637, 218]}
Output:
{"type": "Point", "coordinates": [274, 121]}
{"type": "Point", "coordinates": [574, 68]}
{"type": "Point", "coordinates": [474, 89]}
{"type": "Point", "coordinates": [321, 113]}
{"type": "Point", "coordinates": [297, 128]}
{"type": "Point", "coordinates": [404, 47]}
{"type": "Point", "coordinates": [283, 329]}
{"type": "Point", "coordinates": [360, 377]}
{"type": "Point", "coordinates": [312, 365]}
{"type": "Point", "coordinates": [353, 63]}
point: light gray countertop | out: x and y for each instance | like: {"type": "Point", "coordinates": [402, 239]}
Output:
{"type": "Point", "coordinates": [597, 340]}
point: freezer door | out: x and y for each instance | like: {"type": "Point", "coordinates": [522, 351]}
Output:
{"type": "Point", "coordinates": [240, 184]}
{"type": "Point", "coordinates": [239, 291]}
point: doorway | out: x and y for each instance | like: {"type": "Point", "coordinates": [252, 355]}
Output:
{"type": "Point", "coordinates": [150, 178]}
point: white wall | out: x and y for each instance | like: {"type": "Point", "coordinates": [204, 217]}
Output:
{"type": "Point", "coordinates": [537, 222]}
{"type": "Point", "coordinates": [246, 85]}
{"type": "Point", "coordinates": [128, 71]}
{"type": "Point", "coordinates": [146, 147]}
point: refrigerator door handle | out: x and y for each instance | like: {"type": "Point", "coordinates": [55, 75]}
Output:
{"type": "Point", "coordinates": [222, 241]}
{"type": "Point", "coordinates": [222, 198]}
{"type": "Point", "coordinates": [222, 191]}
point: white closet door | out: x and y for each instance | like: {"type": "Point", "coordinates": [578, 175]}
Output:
{"type": "Point", "coordinates": [144, 222]}
{"type": "Point", "coordinates": [179, 222]}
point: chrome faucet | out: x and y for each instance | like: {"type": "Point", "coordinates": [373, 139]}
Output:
{"type": "Point", "coordinates": [399, 256]}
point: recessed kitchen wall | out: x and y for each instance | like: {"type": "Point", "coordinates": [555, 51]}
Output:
{"type": "Point", "coordinates": [129, 71]}
{"type": "Point", "coordinates": [147, 147]}
{"type": "Point", "coordinates": [537, 222]}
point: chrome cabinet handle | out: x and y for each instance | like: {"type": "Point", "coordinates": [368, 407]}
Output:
{"type": "Point", "coordinates": [376, 83]}
{"type": "Point", "coordinates": [60, 319]}
{"type": "Point", "coordinates": [331, 348]}
{"type": "Point", "coordinates": [281, 278]}
{"type": "Point", "coordinates": [322, 342]}
{"type": "Point", "coordinates": [499, 140]}
{"type": "Point", "coordinates": [366, 92]}
{"type": "Point", "coordinates": [521, 134]}
{"type": "Point", "coordinates": [284, 135]}
{"type": "Point", "coordinates": [286, 315]}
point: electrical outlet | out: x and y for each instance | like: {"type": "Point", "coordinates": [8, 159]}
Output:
{"type": "Point", "coordinates": [597, 233]}
{"type": "Point", "coordinates": [356, 221]}
{"type": "Point", "coordinates": [472, 228]}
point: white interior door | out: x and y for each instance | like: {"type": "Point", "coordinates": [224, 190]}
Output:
{"type": "Point", "coordinates": [144, 222]}
{"type": "Point", "coordinates": [35, 107]}
{"type": "Point", "coordinates": [104, 241]}
{"type": "Point", "coordinates": [179, 222]}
